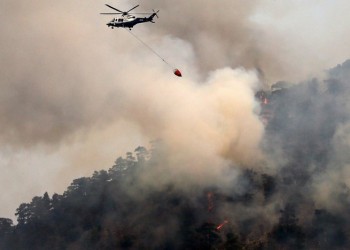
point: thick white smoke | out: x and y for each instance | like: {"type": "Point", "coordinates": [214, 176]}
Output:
{"type": "Point", "coordinates": [203, 126]}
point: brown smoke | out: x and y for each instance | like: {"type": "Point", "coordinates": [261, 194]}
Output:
{"type": "Point", "coordinates": [285, 40]}
{"type": "Point", "coordinates": [221, 33]}
{"type": "Point", "coordinates": [69, 84]}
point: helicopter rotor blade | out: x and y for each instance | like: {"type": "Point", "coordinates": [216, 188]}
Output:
{"type": "Point", "coordinates": [114, 8]}
{"type": "Point", "coordinates": [110, 13]}
{"type": "Point", "coordinates": [144, 13]}
{"type": "Point", "coordinates": [132, 8]}
{"type": "Point", "coordinates": [156, 12]}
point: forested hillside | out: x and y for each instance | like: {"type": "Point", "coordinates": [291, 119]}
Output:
{"type": "Point", "coordinates": [298, 197]}
{"type": "Point", "coordinates": [104, 211]}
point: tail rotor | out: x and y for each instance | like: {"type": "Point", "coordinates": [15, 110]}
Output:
{"type": "Point", "coordinates": [156, 12]}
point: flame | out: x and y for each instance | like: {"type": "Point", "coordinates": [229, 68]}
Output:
{"type": "Point", "coordinates": [221, 225]}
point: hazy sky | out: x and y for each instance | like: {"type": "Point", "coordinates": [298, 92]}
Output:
{"type": "Point", "coordinates": [75, 95]}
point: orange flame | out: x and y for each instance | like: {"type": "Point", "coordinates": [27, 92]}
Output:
{"type": "Point", "coordinates": [221, 225]}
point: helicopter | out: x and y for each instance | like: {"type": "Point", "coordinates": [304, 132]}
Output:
{"type": "Point", "coordinates": [128, 20]}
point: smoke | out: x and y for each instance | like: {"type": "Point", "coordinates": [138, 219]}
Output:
{"type": "Point", "coordinates": [332, 184]}
{"type": "Point", "coordinates": [203, 128]}
{"type": "Point", "coordinates": [291, 40]}
{"type": "Point", "coordinates": [220, 33]}
{"type": "Point", "coordinates": [309, 129]}
{"type": "Point", "coordinates": [73, 90]}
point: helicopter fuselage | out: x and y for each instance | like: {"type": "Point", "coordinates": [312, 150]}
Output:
{"type": "Point", "coordinates": [129, 21]}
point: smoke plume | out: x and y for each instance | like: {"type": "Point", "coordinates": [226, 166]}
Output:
{"type": "Point", "coordinates": [80, 94]}
{"type": "Point", "coordinates": [68, 83]}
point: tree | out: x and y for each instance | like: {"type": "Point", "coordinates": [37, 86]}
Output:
{"type": "Point", "coordinates": [23, 213]}
{"type": "Point", "coordinates": [142, 154]}
{"type": "Point", "coordinates": [6, 226]}
{"type": "Point", "coordinates": [6, 233]}
{"type": "Point", "coordinates": [207, 237]}
{"type": "Point", "coordinates": [287, 233]}
{"type": "Point", "coordinates": [232, 242]}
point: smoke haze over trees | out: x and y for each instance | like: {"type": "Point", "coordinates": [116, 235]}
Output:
{"type": "Point", "coordinates": [71, 88]}
{"type": "Point", "coordinates": [74, 95]}
{"type": "Point", "coordinates": [296, 197]}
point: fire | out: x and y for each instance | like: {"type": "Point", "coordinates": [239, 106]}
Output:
{"type": "Point", "coordinates": [221, 225]}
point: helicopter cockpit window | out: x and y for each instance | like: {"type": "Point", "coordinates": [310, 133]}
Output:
{"type": "Point", "coordinates": [120, 20]}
